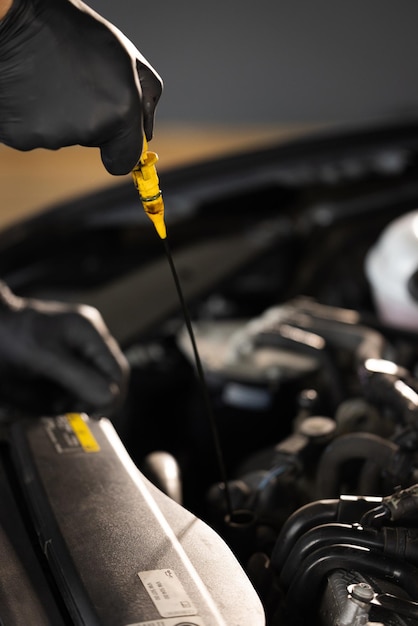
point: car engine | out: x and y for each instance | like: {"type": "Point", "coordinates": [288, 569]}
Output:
{"type": "Point", "coordinates": [300, 269]}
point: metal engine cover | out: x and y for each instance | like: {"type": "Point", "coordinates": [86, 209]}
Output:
{"type": "Point", "coordinates": [121, 551]}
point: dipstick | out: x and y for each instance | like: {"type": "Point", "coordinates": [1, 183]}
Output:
{"type": "Point", "coordinates": [147, 183]}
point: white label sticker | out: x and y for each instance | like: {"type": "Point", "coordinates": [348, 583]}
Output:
{"type": "Point", "coordinates": [167, 594]}
{"type": "Point", "coordinates": [176, 621]}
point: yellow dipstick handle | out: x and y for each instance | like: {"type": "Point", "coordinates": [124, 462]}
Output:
{"type": "Point", "coordinates": [147, 183]}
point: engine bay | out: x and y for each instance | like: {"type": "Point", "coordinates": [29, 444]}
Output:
{"type": "Point", "coordinates": [310, 371]}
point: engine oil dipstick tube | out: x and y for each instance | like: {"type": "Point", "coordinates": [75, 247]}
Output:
{"type": "Point", "coordinates": [147, 183]}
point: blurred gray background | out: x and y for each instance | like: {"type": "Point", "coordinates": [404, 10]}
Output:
{"type": "Point", "coordinates": [236, 62]}
{"type": "Point", "coordinates": [239, 74]}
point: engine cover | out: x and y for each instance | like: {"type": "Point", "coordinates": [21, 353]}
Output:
{"type": "Point", "coordinates": [122, 552]}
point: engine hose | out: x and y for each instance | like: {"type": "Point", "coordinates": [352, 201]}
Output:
{"type": "Point", "coordinates": [370, 478]}
{"type": "Point", "coordinates": [396, 542]}
{"type": "Point", "coordinates": [305, 589]}
{"type": "Point", "coordinates": [400, 606]}
{"type": "Point", "coordinates": [298, 523]}
{"type": "Point", "coordinates": [365, 446]}
{"type": "Point", "coordinates": [400, 543]}
{"type": "Point", "coordinates": [376, 517]}
{"type": "Point", "coordinates": [347, 509]}
{"type": "Point", "coordinates": [327, 535]}
{"type": "Point", "coordinates": [399, 506]}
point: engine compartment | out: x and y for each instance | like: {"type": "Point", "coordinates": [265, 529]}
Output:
{"type": "Point", "coordinates": [315, 395]}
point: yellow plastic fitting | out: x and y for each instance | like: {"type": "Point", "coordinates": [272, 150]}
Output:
{"type": "Point", "coordinates": [147, 183]}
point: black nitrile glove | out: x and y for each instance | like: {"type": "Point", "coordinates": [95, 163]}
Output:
{"type": "Point", "coordinates": [57, 357]}
{"type": "Point", "coordinates": [67, 77]}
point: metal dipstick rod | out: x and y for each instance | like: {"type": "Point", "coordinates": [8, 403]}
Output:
{"type": "Point", "coordinates": [147, 183]}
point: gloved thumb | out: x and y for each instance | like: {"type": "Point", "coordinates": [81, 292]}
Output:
{"type": "Point", "coordinates": [122, 153]}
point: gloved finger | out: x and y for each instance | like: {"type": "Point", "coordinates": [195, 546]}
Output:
{"type": "Point", "coordinates": [34, 396]}
{"type": "Point", "coordinates": [83, 382]}
{"type": "Point", "coordinates": [77, 351]}
{"type": "Point", "coordinates": [151, 87]}
{"type": "Point", "coordinates": [88, 336]}
{"type": "Point", "coordinates": [55, 327]}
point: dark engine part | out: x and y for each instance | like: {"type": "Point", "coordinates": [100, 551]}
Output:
{"type": "Point", "coordinates": [365, 446]}
{"type": "Point", "coordinates": [312, 372]}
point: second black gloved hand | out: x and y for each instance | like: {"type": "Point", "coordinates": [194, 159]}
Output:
{"type": "Point", "coordinates": [69, 77]}
{"type": "Point", "coordinates": [57, 357]}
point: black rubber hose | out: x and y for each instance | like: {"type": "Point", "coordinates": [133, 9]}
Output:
{"type": "Point", "coordinates": [298, 523]}
{"type": "Point", "coordinates": [370, 479]}
{"type": "Point", "coordinates": [400, 506]}
{"type": "Point", "coordinates": [400, 606]}
{"type": "Point", "coordinates": [346, 448]}
{"type": "Point", "coordinates": [304, 591]}
{"type": "Point", "coordinates": [400, 543]}
{"type": "Point", "coordinates": [376, 517]}
{"type": "Point", "coordinates": [326, 535]}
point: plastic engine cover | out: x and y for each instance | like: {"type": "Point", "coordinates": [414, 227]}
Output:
{"type": "Point", "coordinates": [122, 552]}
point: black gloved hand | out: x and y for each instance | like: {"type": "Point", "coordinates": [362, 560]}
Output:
{"type": "Point", "coordinates": [57, 357]}
{"type": "Point", "coordinates": [67, 76]}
